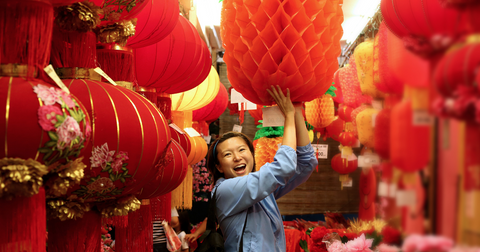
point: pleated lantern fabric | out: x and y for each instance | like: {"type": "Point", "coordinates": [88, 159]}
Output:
{"type": "Point", "coordinates": [320, 112]}
{"type": "Point", "coordinates": [365, 58]}
{"type": "Point", "coordinates": [179, 62]}
{"type": "Point", "coordinates": [352, 93]}
{"type": "Point", "coordinates": [419, 23]}
{"type": "Point", "coordinates": [288, 43]}
{"type": "Point", "coordinates": [154, 22]}
{"type": "Point", "coordinates": [115, 11]}
{"type": "Point", "coordinates": [182, 139]}
{"type": "Point", "coordinates": [214, 109]}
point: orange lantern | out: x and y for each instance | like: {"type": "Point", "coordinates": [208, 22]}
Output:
{"type": "Point", "coordinates": [320, 112]}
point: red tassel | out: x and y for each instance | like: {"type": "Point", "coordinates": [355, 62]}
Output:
{"type": "Point", "coordinates": [26, 33]}
{"type": "Point", "coordinates": [83, 234]}
{"type": "Point", "coordinates": [140, 230]}
{"type": "Point", "coordinates": [24, 226]}
{"type": "Point", "coordinates": [117, 64]}
{"type": "Point", "coordinates": [242, 113]}
{"type": "Point", "coordinates": [67, 45]}
{"type": "Point", "coordinates": [162, 207]}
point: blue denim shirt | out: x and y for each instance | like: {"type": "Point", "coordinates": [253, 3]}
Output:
{"type": "Point", "coordinates": [256, 194]}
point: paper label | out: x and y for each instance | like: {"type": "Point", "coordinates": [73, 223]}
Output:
{"type": "Point", "coordinates": [348, 183]}
{"type": "Point", "coordinates": [192, 132]}
{"type": "Point", "coordinates": [235, 96]}
{"type": "Point", "coordinates": [104, 75]}
{"type": "Point", "coordinates": [175, 127]}
{"type": "Point", "coordinates": [368, 160]}
{"type": "Point", "coordinates": [321, 149]}
{"type": "Point", "coordinates": [406, 198]}
{"type": "Point", "coordinates": [247, 105]}
{"type": "Point", "coordinates": [422, 118]}
{"type": "Point", "coordinates": [237, 128]}
{"type": "Point", "coordinates": [377, 104]}
{"type": "Point", "coordinates": [207, 139]}
{"type": "Point", "coordinates": [382, 189]}
{"type": "Point", "coordinates": [272, 116]}
{"type": "Point", "coordinates": [51, 72]}
{"type": "Point", "coordinates": [392, 190]}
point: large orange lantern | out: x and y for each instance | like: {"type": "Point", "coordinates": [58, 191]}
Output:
{"type": "Point", "coordinates": [293, 44]}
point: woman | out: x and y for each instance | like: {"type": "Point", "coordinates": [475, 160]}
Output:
{"type": "Point", "coordinates": [242, 191]}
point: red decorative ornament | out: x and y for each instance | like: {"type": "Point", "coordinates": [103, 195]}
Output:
{"type": "Point", "coordinates": [293, 44]}
{"type": "Point", "coordinates": [345, 113]}
{"type": "Point", "coordinates": [154, 22]}
{"type": "Point", "coordinates": [165, 65]}
{"type": "Point", "coordinates": [352, 94]}
{"type": "Point", "coordinates": [425, 26]}
{"type": "Point", "coordinates": [347, 138]}
{"type": "Point", "coordinates": [115, 11]}
{"type": "Point", "coordinates": [343, 167]}
{"type": "Point", "coordinates": [382, 128]}
{"type": "Point", "coordinates": [335, 128]}
{"type": "Point", "coordinates": [214, 109]}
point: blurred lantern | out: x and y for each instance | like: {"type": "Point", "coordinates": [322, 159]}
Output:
{"type": "Point", "coordinates": [347, 139]}
{"type": "Point", "coordinates": [63, 2]}
{"type": "Point", "coordinates": [114, 11]}
{"type": "Point", "coordinates": [165, 65]}
{"type": "Point", "coordinates": [365, 126]}
{"type": "Point", "coordinates": [387, 81]}
{"type": "Point", "coordinates": [457, 68]}
{"type": "Point", "coordinates": [338, 98]}
{"type": "Point", "coordinates": [201, 127]}
{"type": "Point", "coordinates": [257, 114]}
{"type": "Point", "coordinates": [353, 116]}
{"type": "Point", "coordinates": [154, 22]}
{"type": "Point", "coordinates": [320, 112]}
{"type": "Point", "coordinates": [267, 43]}
{"type": "Point", "coordinates": [335, 128]}
{"type": "Point", "coordinates": [365, 57]}
{"type": "Point", "coordinates": [343, 166]}
{"type": "Point", "coordinates": [413, 221]}
{"type": "Point", "coordinates": [410, 132]}
{"type": "Point", "coordinates": [368, 192]}
{"type": "Point", "coordinates": [181, 138]}
{"type": "Point", "coordinates": [199, 96]}
{"type": "Point", "coordinates": [345, 113]}
{"type": "Point", "coordinates": [352, 94]}
{"type": "Point", "coordinates": [214, 109]}
{"type": "Point", "coordinates": [382, 128]}
{"type": "Point", "coordinates": [425, 27]}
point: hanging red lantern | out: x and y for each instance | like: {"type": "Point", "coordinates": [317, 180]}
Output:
{"type": "Point", "coordinates": [345, 113]}
{"type": "Point", "coordinates": [214, 109]}
{"type": "Point", "coordinates": [291, 44]}
{"type": "Point", "coordinates": [352, 94]}
{"type": "Point", "coordinates": [425, 26]}
{"type": "Point", "coordinates": [182, 139]}
{"type": "Point", "coordinates": [164, 65]}
{"type": "Point", "coordinates": [154, 22]}
{"type": "Point", "coordinates": [114, 11]}
{"type": "Point", "coordinates": [387, 82]}
{"type": "Point", "coordinates": [335, 128]}
{"type": "Point", "coordinates": [347, 139]}
{"type": "Point", "coordinates": [336, 83]}
{"type": "Point", "coordinates": [382, 128]}
{"type": "Point", "coordinates": [343, 167]}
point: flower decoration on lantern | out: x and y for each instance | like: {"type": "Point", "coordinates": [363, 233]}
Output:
{"type": "Point", "coordinates": [115, 11]}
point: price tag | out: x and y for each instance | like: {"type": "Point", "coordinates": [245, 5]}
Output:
{"type": "Point", "coordinates": [374, 117]}
{"type": "Point", "coordinates": [392, 190]}
{"type": "Point", "coordinates": [368, 160]}
{"type": "Point", "coordinates": [192, 132]}
{"type": "Point", "coordinates": [237, 128]}
{"type": "Point", "coordinates": [236, 97]}
{"type": "Point", "coordinates": [348, 183]}
{"type": "Point", "coordinates": [272, 116]}
{"type": "Point", "coordinates": [382, 189]}
{"type": "Point", "coordinates": [175, 127]}
{"type": "Point", "coordinates": [322, 150]}
{"type": "Point", "coordinates": [406, 198]}
{"type": "Point", "coordinates": [104, 75]}
{"type": "Point", "coordinates": [247, 105]}
{"type": "Point", "coordinates": [377, 104]}
{"type": "Point", "coordinates": [51, 72]}
{"type": "Point", "coordinates": [207, 139]}
{"type": "Point", "coordinates": [422, 118]}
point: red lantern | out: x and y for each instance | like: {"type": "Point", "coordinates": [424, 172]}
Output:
{"type": "Point", "coordinates": [154, 22]}
{"type": "Point", "coordinates": [352, 94]}
{"type": "Point", "coordinates": [335, 128]}
{"type": "Point", "coordinates": [181, 138]}
{"type": "Point", "coordinates": [336, 83]}
{"type": "Point", "coordinates": [382, 128]}
{"type": "Point", "coordinates": [115, 11]}
{"type": "Point", "coordinates": [165, 65]}
{"type": "Point", "coordinates": [343, 167]}
{"type": "Point", "coordinates": [425, 26]}
{"type": "Point", "coordinates": [387, 82]}
{"type": "Point", "coordinates": [293, 44]}
{"type": "Point", "coordinates": [347, 138]}
{"type": "Point", "coordinates": [214, 109]}
{"type": "Point", "coordinates": [345, 113]}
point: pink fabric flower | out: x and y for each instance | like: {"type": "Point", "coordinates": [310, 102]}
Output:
{"type": "Point", "coordinates": [337, 246]}
{"type": "Point", "coordinates": [64, 98]}
{"type": "Point", "coordinates": [101, 156]}
{"type": "Point", "coordinates": [119, 159]}
{"type": "Point", "coordinates": [359, 244]}
{"type": "Point", "coordinates": [47, 116]}
{"type": "Point", "coordinates": [68, 131]}
{"type": "Point", "coordinates": [47, 94]}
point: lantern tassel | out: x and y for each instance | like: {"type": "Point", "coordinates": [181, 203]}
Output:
{"type": "Point", "coordinates": [117, 64]}
{"type": "Point", "coordinates": [161, 207]}
{"type": "Point", "coordinates": [182, 196]}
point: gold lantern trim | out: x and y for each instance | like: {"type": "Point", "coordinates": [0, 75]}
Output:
{"type": "Point", "coordinates": [20, 177]}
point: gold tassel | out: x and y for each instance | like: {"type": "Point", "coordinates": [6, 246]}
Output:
{"type": "Point", "coordinates": [182, 196]}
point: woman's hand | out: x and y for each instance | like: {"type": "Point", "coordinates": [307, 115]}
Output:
{"type": "Point", "coordinates": [283, 102]}
{"type": "Point", "coordinates": [191, 237]}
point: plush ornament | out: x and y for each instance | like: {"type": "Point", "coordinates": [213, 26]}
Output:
{"type": "Point", "coordinates": [345, 113]}
{"type": "Point", "coordinates": [364, 60]}
{"type": "Point", "coordinates": [343, 167]}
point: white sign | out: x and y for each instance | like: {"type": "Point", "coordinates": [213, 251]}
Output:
{"type": "Point", "coordinates": [51, 72]}
{"type": "Point", "coordinates": [348, 183]}
{"type": "Point", "coordinates": [406, 198]}
{"type": "Point", "coordinates": [368, 160]}
{"type": "Point", "coordinates": [352, 157]}
{"type": "Point", "coordinates": [422, 118]}
{"type": "Point", "coordinates": [322, 150]}
{"type": "Point", "coordinates": [175, 127]}
{"type": "Point", "coordinates": [382, 189]}
{"type": "Point", "coordinates": [104, 75]}
{"type": "Point", "coordinates": [237, 128]}
{"type": "Point", "coordinates": [192, 132]}
{"type": "Point", "coordinates": [247, 105]}
{"type": "Point", "coordinates": [208, 139]}
{"type": "Point", "coordinates": [272, 116]}
{"type": "Point", "coordinates": [236, 97]}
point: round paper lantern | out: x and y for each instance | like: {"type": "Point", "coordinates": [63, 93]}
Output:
{"type": "Point", "coordinates": [335, 128]}
{"type": "Point", "coordinates": [364, 60]}
{"type": "Point", "coordinates": [336, 83]}
{"type": "Point", "coordinates": [320, 112]}
{"type": "Point", "coordinates": [179, 62]}
{"type": "Point", "coordinates": [271, 43]}
{"type": "Point", "coordinates": [352, 94]}
{"type": "Point", "coordinates": [425, 26]}
{"type": "Point", "coordinates": [457, 68]}
{"type": "Point", "coordinates": [170, 176]}
{"type": "Point", "coordinates": [343, 166]}
{"type": "Point", "coordinates": [214, 109]}
{"type": "Point", "coordinates": [198, 96]}
{"type": "Point", "coordinates": [347, 139]}
{"type": "Point", "coordinates": [365, 127]}
{"type": "Point", "coordinates": [154, 22]}
{"type": "Point", "coordinates": [181, 138]}
{"type": "Point", "coordinates": [115, 11]}
{"type": "Point", "coordinates": [387, 82]}
{"type": "Point", "coordinates": [199, 150]}
{"type": "Point", "coordinates": [345, 113]}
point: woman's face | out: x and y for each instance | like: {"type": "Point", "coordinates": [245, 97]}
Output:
{"type": "Point", "coordinates": [234, 157]}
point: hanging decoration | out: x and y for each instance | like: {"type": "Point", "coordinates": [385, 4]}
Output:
{"type": "Point", "coordinates": [294, 44]}
{"type": "Point", "coordinates": [338, 98]}
{"type": "Point", "coordinates": [367, 191]}
{"type": "Point", "coordinates": [320, 112]}
{"type": "Point", "coordinates": [117, 11]}
{"type": "Point", "coordinates": [266, 143]}
{"type": "Point", "coordinates": [365, 58]}
{"type": "Point", "coordinates": [343, 166]}
{"type": "Point", "coordinates": [214, 109]}
{"type": "Point", "coordinates": [382, 128]}
{"type": "Point", "coordinates": [345, 113]}
{"type": "Point", "coordinates": [387, 81]}
{"type": "Point", "coordinates": [365, 126]}
{"type": "Point", "coordinates": [352, 94]}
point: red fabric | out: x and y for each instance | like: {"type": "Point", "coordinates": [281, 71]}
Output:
{"type": "Point", "coordinates": [182, 139]}
{"type": "Point", "coordinates": [382, 133]}
{"type": "Point", "coordinates": [62, 56]}
{"type": "Point", "coordinates": [164, 65]}
{"type": "Point", "coordinates": [368, 192]}
{"type": "Point", "coordinates": [114, 12]}
{"type": "Point", "coordinates": [292, 238]}
{"type": "Point", "coordinates": [154, 22]}
{"type": "Point", "coordinates": [162, 207]}
{"type": "Point", "coordinates": [472, 159]}
{"type": "Point", "coordinates": [117, 64]}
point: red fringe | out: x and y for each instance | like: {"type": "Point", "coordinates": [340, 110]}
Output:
{"type": "Point", "coordinates": [73, 49]}
{"type": "Point", "coordinates": [120, 221]}
{"type": "Point", "coordinates": [117, 64]}
{"type": "Point", "coordinates": [140, 230]}
{"type": "Point", "coordinates": [75, 235]}
{"type": "Point", "coordinates": [23, 224]}
{"type": "Point", "coordinates": [165, 105]}
{"type": "Point", "coordinates": [162, 207]}
{"type": "Point", "coordinates": [25, 33]}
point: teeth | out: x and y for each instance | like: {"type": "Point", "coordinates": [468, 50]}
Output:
{"type": "Point", "coordinates": [240, 167]}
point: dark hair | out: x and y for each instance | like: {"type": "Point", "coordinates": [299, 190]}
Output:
{"type": "Point", "coordinates": [184, 220]}
{"type": "Point", "coordinates": [212, 159]}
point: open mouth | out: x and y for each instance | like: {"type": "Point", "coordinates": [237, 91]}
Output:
{"type": "Point", "coordinates": [240, 169]}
